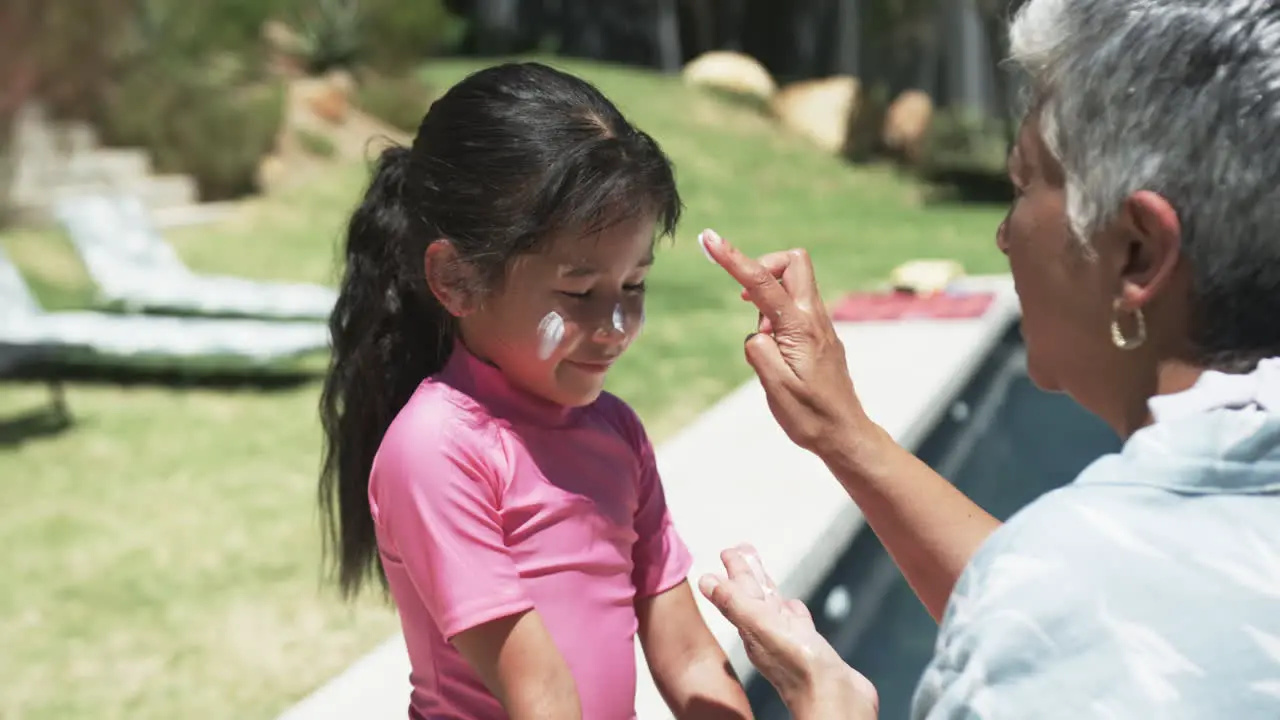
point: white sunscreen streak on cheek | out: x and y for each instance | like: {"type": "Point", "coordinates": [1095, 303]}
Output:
{"type": "Point", "coordinates": [618, 319]}
{"type": "Point", "coordinates": [550, 333]}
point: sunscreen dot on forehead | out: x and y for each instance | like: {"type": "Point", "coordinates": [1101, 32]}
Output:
{"type": "Point", "coordinates": [619, 322]}
{"type": "Point", "coordinates": [550, 333]}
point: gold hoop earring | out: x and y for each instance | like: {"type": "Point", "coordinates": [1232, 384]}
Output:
{"type": "Point", "coordinates": [1117, 334]}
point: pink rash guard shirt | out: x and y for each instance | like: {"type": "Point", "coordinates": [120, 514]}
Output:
{"type": "Point", "coordinates": [489, 501]}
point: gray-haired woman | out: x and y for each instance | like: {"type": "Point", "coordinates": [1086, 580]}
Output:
{"type": "Point", "coordinates": [1145, 246]}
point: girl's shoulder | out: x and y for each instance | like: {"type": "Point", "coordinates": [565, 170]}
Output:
{"type": "Point", "coordinates": [441, 419]}
{"type": "Point", "coordinates": [615, 412]}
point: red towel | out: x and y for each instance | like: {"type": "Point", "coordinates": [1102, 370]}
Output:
{"type": "Point", "coordinates": [864, 306]}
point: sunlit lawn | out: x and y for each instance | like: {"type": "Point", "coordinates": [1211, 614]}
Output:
{"type": "Point", "coordinates": [160, 559]}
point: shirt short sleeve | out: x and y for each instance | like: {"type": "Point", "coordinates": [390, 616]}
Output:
{"type": "Point", "coordinates": [437, 498]}
{"type": "Point", "coordinates": [1052, 616]}
{"type": "Point", "coordinates": [1016, 638]}
{"type": "Point", "coordinates": [661, 559]}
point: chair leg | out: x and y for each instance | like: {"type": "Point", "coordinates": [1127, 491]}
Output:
{"type": "Point", "coordinates": [58, 402]}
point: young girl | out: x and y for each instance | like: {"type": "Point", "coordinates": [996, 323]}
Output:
{"type": "Point", "coordinates": [495, 270]}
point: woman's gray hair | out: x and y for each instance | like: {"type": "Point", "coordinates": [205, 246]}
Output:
{"type": "Point", "coordinates": [1182, 98]}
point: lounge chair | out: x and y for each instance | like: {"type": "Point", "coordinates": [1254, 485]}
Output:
{"type": "Point", "coordinates": [15, 358]}
{"type": "Point", "coordinates": [136, 269]}
{"type": "Point", "coordinates": [99, 337]}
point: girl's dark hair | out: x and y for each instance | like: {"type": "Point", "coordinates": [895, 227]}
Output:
{"type": "Point", "coordinates": [506, 158]}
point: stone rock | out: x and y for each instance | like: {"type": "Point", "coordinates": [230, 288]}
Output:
{"type": "Point", "coordinates": [819, 110]}
{"type": "Point", "coordinates": [329, 103]}
{"type": "Point", "coordinates": [280, 37]}
{"type": "Point", "coordinates": [341, 81]}
{"type": "Point", "coordinates": [731, 72]}
{"type": "Point", "coordinates": [271, 173]}
{"type": "Point", "coordinates": [285, 52]}
{"type": "Point", "coordinates": [906, 124]}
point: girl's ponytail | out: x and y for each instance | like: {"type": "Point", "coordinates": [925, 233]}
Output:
{"type": "Point", "coordinates": [388, 334]}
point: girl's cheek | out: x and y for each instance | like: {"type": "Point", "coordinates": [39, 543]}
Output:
{"type": "Point", "coordinates": [558, 328]}
{"type": "Point", "coordinates": [551, 331]}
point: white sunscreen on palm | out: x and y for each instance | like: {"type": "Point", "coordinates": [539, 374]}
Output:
{"type": "Point", "coordinates": [550, 334]}
{"type": "Point", "coordinates": [757, 571]}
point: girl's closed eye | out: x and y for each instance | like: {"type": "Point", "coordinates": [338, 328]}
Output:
{"type": "Point", "coordinates": [633, 288]}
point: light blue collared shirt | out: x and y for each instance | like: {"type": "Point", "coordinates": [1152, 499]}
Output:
{"type": "Point", "coordinates": [1148, 588]}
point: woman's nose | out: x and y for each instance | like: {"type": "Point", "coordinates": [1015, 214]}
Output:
{"type": "Point", "coordinates": [1002, 236]}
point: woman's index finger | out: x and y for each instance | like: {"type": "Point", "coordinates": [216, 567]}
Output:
{"type": "Point", "coordinates": [759, 282]}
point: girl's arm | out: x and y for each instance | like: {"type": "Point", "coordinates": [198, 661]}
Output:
{"type": "Point", "coordinates": [520, 665]}
{"type": "Point", "coordinates": [436, 493]}
{"type": "Point", "coordinates": [688, 665]}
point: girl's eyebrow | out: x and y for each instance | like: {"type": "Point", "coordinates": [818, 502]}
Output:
{"type": "Point", "coordinates": [579, 271]}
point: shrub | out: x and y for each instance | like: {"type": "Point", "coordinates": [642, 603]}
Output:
{"type": "Point", "coordinates": [966, 153]}
{"type": "Point", "coordinates": [211, 125]}
{"type": "Point", "coordinates": [389, 35]}
{"type": "Point", "coordinates": [70, 50]}
{"type": "Point", "coordinates": [401, 34]}
{"type": "Point", "coordinates": [399, 101]}
{"type": "Point", "coordinates": [316, 144]}
{"type": "Point", "coordinates": [864, 142]}
{"type": "Point", "coordinates": [332, 33]}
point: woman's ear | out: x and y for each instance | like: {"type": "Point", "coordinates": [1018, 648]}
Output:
{"type": "Point", "coordinates": [447, 277]}
{"type": "Point", "coordinates": [1153, 247]}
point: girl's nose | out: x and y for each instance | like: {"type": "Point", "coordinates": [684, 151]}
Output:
{"type": "Point", "coordinates": [614, 327]}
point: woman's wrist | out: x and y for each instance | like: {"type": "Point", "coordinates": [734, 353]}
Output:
{"type": "Point", "coordinates": [854, 452]}
{"type": "Point", "coordinates": [835, 694]}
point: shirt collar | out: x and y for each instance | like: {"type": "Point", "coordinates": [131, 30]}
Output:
{"type": "Point", "coordinates": [1217, 390]}
{"type": "Point", "coordinates": [1222, 435]}
{"type": "Point", "coordinates": [489, 386]}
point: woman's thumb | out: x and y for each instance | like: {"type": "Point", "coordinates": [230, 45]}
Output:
{"type": "Point", "coordinates": [767, 360]}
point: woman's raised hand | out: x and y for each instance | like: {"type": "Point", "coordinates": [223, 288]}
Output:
{"type": "Point", "coordinates": [796, 353]}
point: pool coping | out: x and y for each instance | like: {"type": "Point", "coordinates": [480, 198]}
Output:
{"type": "Point", "coordinates": [720, 475]}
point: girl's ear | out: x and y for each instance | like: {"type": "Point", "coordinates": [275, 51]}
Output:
{"type": "Point", "coordinates": [448, 278]}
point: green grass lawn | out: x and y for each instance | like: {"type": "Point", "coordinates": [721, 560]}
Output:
{"type": "Point", "coordinates": [160, 559]}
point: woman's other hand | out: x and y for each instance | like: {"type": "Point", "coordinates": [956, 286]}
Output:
{"type": "Point", "coordinates": [783, 644]}
{"type": "Point", "coordinates": [796, 353]}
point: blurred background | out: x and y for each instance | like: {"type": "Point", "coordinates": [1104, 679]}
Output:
{"type": "Point", "coordinates": [174, 179]}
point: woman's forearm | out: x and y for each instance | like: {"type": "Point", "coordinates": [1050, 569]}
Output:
{"type": "Point", "coordinates": [929, 528]}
